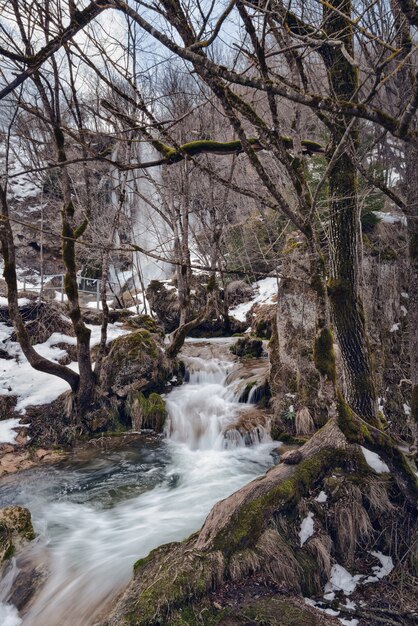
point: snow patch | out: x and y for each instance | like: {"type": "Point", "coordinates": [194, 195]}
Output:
{"type": "Point", "coordinates": [306, 528]}
{"type": "Point", "coordinates": [394, 327]}
{"type": "Point", "coordinates": [7, 432]}
{"type": "Point", "coordinates": [342, 580]}
{"type": "Point", "coordinates": [374, 461]}
{"type": "Point", "coordinates": [406, 409]}
{"type": "Point", "coordinates": [267, 292]}
{"type": "Point", "coordinates": [322, 497]}
{"type": "Point", "coordinates": [18, 378]}
{"type": "Point", "coordinates": [382, 570]}
{"type": "Point", "coordinates": [390, 218]}
{"type": "Point", "coordinates": [348, 622]}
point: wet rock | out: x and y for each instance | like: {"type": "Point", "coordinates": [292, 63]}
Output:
{"type": "Point", "coordinates": [25, 585]}
{"type": "Point", "coordinates": [248, 347]}
{"type": "Point", "coordinates": [15, 530]}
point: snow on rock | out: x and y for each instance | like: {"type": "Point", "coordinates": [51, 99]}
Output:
{"type": "Point", "coordinates": [342, 580]}
{"type": "Point", "coordinates": [7, 432]}
{"type": "Point", "coordinates": [374, 461]}
{"type": "Point", "coordinates": [382, 570]}
{"type": "Point", "coordinates": [306, 528]}
{"type": "Point", "coordinates": [394, 327]}
{"type": "Point", "coordinates": [322, 497]}
{"type": "Point", "coordinates": [9, 615]}
{"type": "Point", "coordinates": [266, 291]}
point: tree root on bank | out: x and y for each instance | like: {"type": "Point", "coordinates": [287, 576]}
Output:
{"type": "Point", "coordinates": [254, 535]}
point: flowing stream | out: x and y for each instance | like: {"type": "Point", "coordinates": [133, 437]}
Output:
{"type": "Point", "coordinates": [95, 517]}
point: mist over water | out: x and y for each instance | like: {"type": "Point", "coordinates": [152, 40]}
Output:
{"type": "Point", "coordinates": [97, 517]}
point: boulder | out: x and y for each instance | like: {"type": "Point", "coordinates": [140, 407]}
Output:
{"type": "Point", "coordinates": [135, 362]}
{"type": "Point", "coordinates": [247, 347]}
{"type": "Point", "coordinates": [15, 530]}
{"type": "Point", "coordinates": [239, 291]}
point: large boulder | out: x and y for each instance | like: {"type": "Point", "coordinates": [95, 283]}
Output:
{"type": "Point", "coordinates": [136, 362]}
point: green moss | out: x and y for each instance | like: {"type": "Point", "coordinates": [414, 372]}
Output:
{"type": "Point", "coordinates": [148, 412]}
{"type": "Point", "coordinates": [318, 285]}
{"type": "Point", "coordinates": [81, 229]}
{"type": "Point", "coordinates": [248, 522]}
{"type": "Point", "coordinates": [324, 355]}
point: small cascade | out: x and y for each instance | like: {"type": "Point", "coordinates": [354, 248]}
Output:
{"type": "Point", "coordinates": [203, 412]}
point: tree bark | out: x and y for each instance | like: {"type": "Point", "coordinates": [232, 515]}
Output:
{"type": "Point", "coordinates": [344, 284]}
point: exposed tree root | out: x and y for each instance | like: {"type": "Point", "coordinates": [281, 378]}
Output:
{"type": "Point", "coordinates": [254, 534]}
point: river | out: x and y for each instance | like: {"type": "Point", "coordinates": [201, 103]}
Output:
{"type": "Point", "coordinates": [94, 517]}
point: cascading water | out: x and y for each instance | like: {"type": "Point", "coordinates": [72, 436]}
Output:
{"type": "Point", "coordinates": [94, 518]}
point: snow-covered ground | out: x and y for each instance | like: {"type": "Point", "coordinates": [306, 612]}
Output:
{"type": "Point", "coordinates": [266, 293]}
{"type": "Point", "coordinates": [18, 378]}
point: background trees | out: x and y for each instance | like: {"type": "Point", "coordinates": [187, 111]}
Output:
{"type": "Point", "coordinates": [290, 85]}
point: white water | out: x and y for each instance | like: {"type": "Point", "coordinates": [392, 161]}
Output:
{"type": "Point", "coordinates": [96, 520]}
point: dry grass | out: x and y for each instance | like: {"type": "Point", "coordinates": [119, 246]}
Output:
{"type": "Point", "coordinates": [304, 423]}
{"type": "Point", "coordinates": [351, 521]}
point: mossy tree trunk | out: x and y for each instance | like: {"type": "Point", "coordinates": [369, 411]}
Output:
{"type": "Point", "coordinates": [70, 233]}
{"type": "Point", "coordinates": [344, 284]}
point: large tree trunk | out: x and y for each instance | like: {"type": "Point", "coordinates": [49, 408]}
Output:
{"type": "Point", "coordinates": [344, 287]}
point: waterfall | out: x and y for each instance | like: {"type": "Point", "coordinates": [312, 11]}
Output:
{"type": "Point", "coordinates": [201, 414]}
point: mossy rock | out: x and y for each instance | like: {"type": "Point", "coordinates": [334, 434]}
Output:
{"type": "Point", "coordinates": [135, 362]}
{"type": "Point", "coordinates": [15, 530]}
{"type": "Point", "coordinates": [247, 348]}
{"type": "Point", "coordinates": [146, 412]}
{"type": "Point", "coordinates": [146, 322]}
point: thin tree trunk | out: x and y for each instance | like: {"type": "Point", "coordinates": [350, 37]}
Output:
{"type": "Point", "coordinates": [412, 212]}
